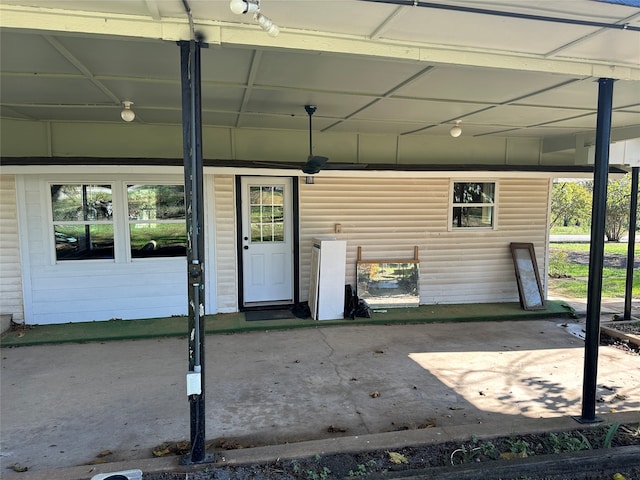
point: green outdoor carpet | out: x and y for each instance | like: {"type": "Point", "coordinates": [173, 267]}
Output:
{"type": "Point", "coordinates": [262, 315]}
{"type": "Point", "coordinates": [226, 323]}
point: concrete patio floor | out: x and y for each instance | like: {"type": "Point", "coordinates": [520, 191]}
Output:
{"type": "Point", "coordinates": [61, 405]}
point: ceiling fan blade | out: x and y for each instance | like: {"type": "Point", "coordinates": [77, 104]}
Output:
{"type": "Point", "coordinates": [345, 166]}
{"type": "Point", "coordinates": [314, 164]}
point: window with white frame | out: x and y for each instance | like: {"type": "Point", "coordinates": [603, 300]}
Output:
{"type": "Point", "coordinates": [88, 221]}
{"type": "Point", "coordinates": [157, 226]}
{"type": "Point", "coordinates": [82, 221]}
{"type": "Point", "coordinates": [473, 205]}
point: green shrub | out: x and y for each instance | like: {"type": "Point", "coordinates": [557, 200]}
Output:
{"type": "Point", "coordinates": [557, 263]}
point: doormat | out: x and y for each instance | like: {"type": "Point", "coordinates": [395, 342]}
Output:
{"type": "Point", "coordinates": [260, 315]}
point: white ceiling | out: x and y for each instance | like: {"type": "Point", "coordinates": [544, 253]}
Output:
{"type": "Point", "coordinates": [370, 67]}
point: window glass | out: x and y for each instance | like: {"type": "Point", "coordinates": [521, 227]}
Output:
{"type": "Point", "coordinates": [473, 204]}
{"type": "Point", "coordinates": [157, 226]}
{"type": "Point", "coordinates": [267, 213]}
{"type": "Point", "coordinates": [156, 202]}
{"type": "Point", "coordinates": [80, 242]}
{"type": "Point", "coordinates": [82, 221]}
{"type": "Point", "coordinates": [81, 202]}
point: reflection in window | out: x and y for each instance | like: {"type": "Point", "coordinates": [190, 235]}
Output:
{"type": "Point", "coordinates": [267, 213]}
{"type": "Point", "coordinates": [157, 226]}
{"type": "Point", "coordinates": [473, 204]}
{"type": "Point", "coordinates": [82, 221]}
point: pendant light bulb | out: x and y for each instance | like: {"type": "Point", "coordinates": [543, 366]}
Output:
{"type": "Point", "coordinates": [127, 114]}
{"type": "Point", "coordinates": [456, 131]}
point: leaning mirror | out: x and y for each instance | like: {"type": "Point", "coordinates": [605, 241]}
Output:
{"type": "Point", "coordinates": [388, 284]}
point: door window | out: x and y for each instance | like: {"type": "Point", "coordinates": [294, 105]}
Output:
{"type": "Point", "coordinates": [267, 213]}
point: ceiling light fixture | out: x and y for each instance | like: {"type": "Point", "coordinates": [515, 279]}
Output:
{"type": "Point", "coordinates": [244, 6]}
{"type": "Point", "coordinates": [240, 7]}
{"type": "Point", "coordinates": [456, 131]}
{"type": "Point", "coordinates": [267, 24]}
{"type": "Point", "coordinates": [127, 114]}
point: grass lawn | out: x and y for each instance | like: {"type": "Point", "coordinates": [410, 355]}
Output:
{"type": "Point", "coordinates": [569, 278]}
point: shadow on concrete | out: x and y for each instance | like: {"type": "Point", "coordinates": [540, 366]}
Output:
{"type": "Point", "coordinates": [64, 404]}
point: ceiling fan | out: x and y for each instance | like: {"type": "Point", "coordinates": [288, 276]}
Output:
{"type": "Point", "coordinates": [315, 163]}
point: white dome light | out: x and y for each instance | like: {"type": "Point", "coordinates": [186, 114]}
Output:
{"type": "Point", "coordinates": [456, 131]}
{"type": "Point", "coordinates": [127, 114]}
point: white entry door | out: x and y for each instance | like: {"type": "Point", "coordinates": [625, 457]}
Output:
{"type": "Point", "coordinates": [267, 240]}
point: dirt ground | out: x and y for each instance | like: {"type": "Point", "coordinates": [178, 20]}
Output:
{"type": "Point", "coordinates": [473, 451]}
{"type": "Point", "coordinates": [611, 260]}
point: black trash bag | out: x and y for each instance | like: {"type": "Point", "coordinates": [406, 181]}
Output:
{"type": "Point", "coordinates": [363, 309]}
{"type": "Point", "coordinates": [350, 302]}
{"type": "Point", "coordinates": [301, 310]}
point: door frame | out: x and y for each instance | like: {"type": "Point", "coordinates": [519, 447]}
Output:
{"type": "Point", "coordinates": [295, 209]}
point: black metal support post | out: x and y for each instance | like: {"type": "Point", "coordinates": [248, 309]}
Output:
{"type": "Point", "coordinates": [596, 254]}
{"type": "Point", "coordinates": [194, 204]}
{"type": "Point", "coordinates": [633, 215]}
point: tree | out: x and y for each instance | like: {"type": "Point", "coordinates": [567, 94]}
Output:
{"type": "Point", "coordinates": [570, 204]}
{"type": "Point", "coordinates": [618, 198]}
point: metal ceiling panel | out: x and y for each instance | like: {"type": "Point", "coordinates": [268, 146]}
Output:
{"type": "Point", "coordinates": [283, 122]}
{"type": "Point", "coordinates": [218, 119]}
{"type": "Point", "coordinates": [376, 126]}
{"type": "Point", "coordinates": [101, 113]}
{"type": "Point", "coordinates": [607, 46]}
{"type": "Point", "coordinates": [343, 16]}
{"type": "Point", "coordinates": [32, 54]}
{"type": "Point", "coordinates": [128, 7]}
{"type": "Point", "coordinates": [125, 57]}
{"type": "Point", "coordinates": [145, 92]}
{"type": "Point", "coordinates": [370, 67]}
{"type": "Point", "coordinates": [483, 31]}
{"type": "Point", "coordinates": [37, 89]}
{"type": "Point", "coordinates": [481, 85]}
{"type": "Point", "coordinates": [225, 65]}
{"type": "Point", "coordinates": [520, 116]}
{"type": "Point", "coordinates": [339, 73]}
{"type": "Point", "coordinates": [585, 94]}
{"type": "Point", "coordinates": [291, 102]}
{"type": "Point", "coordinates": [428, 112]}
{"type": "Point", "coordinates": [624, 119]}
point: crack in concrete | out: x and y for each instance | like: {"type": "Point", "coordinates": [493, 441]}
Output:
{"type": "Point", "coordinates": [344, 381]}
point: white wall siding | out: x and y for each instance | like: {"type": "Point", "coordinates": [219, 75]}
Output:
{"type": "Point", "coordinates": [388, 217]}
{"type": "Point", "coordinates": [10, 270]}
{"type": "Point", "coordinates": [225, 243]}
{"type": "Point", "coordinates": [88, 290]}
